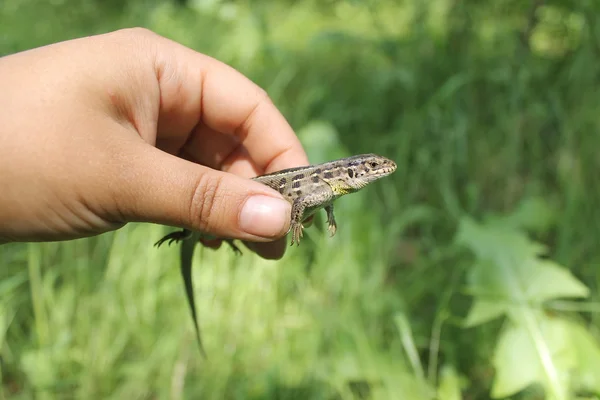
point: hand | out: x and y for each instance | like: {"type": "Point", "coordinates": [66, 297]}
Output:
{"type": "Point", "coordinates": [129, 126]}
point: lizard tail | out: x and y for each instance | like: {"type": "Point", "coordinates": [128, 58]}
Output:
{"type": "Point", "coordinates": [187, 255]}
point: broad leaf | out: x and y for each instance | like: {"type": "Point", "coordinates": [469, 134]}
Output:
{"type": "Point", "coordinates": [509, 272]}
{"type": "Point", "coordinates": [510, 279]}
{"type": "Point", "coordinates": [484, 311]}
{"type": "Point", "coordinates": [518, 363]}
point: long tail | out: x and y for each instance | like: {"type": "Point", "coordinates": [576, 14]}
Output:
{"type": "Point", "coordinates": [187, 255]}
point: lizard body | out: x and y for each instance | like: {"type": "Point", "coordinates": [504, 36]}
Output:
{"type": "Point", "coordinates": [308, 189]}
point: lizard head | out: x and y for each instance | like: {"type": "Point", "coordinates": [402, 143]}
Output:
{"type": "Point", "coordinates": [366, 168]}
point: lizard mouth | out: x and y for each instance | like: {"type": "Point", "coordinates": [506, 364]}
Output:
{"type": "Point", "coordinates": [387, 168]}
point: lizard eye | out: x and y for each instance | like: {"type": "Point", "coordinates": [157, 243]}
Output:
{"type": "Point", "coordinates": [373, 164]}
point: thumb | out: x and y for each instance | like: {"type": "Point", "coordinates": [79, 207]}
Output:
{"type": "Point", "coordinates": [165, 189]}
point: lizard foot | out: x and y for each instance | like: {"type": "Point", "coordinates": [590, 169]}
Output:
{"type": "Point", "coordinates": [296, 233]}
{"type": "Point", "coordinates": [231, 244]}
{"type": "Point", "coordinates": [173, 237]}
{"type": "Point", "coordinates": [332, 228]}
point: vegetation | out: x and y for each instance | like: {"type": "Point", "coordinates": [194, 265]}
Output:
{"type": "Point", "coordinates": [471, 273]}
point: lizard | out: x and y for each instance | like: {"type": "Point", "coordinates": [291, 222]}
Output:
{"type": "Point", "coordinates": [308, 189]}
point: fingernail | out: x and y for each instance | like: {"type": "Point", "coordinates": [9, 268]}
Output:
{"type": "Point", "coordinates": [264, 216]}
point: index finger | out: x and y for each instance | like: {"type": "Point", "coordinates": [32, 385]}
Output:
{"type": "Point", "coordinates": [197, 89]}
{"type": "Point", "coordinates": [203, 95]}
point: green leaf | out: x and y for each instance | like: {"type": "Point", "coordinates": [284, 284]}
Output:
{"type": "Point", "coordinates": [573, 352]}
{"type": "Point", "coordinates": [548, 280]}
{"type": "Point", "coordinates": [518, 363]}
{"type": "Point", "coordinates": [484, 311]}
{"type": "Point", "coordinates": [496, 242]}
{"type": "Point", "coordinates": [540, 280]}
{"type": "Point", "coordinates": [535, 214]}
{"type": "Point", "coordinates": [509, 278]}
{"type": "Point", "coordinates": [510, 273]}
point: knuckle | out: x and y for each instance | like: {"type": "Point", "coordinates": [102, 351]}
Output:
{"type": "Point", "coordinates": [262, 100]}
{"type": "Point", "coordinates": [204, 205]}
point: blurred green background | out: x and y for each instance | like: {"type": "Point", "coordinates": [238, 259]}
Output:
{"type": "Point", "coordinates": [471, 273]}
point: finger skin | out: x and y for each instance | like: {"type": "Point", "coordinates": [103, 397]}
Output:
{"type": "Point", "coordinates": [229, 103]}
{"type": "Point", "coordinates": [121, 127]}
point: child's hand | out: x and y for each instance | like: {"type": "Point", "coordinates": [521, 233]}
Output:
{"type": "Point", "coordinates": [129, 126]}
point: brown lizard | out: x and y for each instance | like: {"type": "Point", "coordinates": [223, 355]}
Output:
{"type": "Point", "coordinates": [308, 189]}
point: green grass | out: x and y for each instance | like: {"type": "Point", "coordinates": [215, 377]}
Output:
{"type": "Point", "coordinates": [110, 319]}
{"type": "Point", "coordinates": [481, 124]}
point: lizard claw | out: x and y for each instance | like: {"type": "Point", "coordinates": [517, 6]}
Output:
{"type": "Point", "coordinates": [332, 228]}
{"type": "Point", "coordinates": [233, 246]}
{"type": "Point", "coordinates": [296, 233]}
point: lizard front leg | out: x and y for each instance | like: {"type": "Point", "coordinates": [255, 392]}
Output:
{"type": "Point", "coordinates": [331, 225]}
{"type": "Point", "coordinates": [304, 206]}
{"type": "Point", "coordinates": [296, 221]}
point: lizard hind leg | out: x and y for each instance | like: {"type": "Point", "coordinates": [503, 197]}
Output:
{"type": "Point", "coordinates": [296, 226]}
{"type": "Point", "coordinates": [174, 237]}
